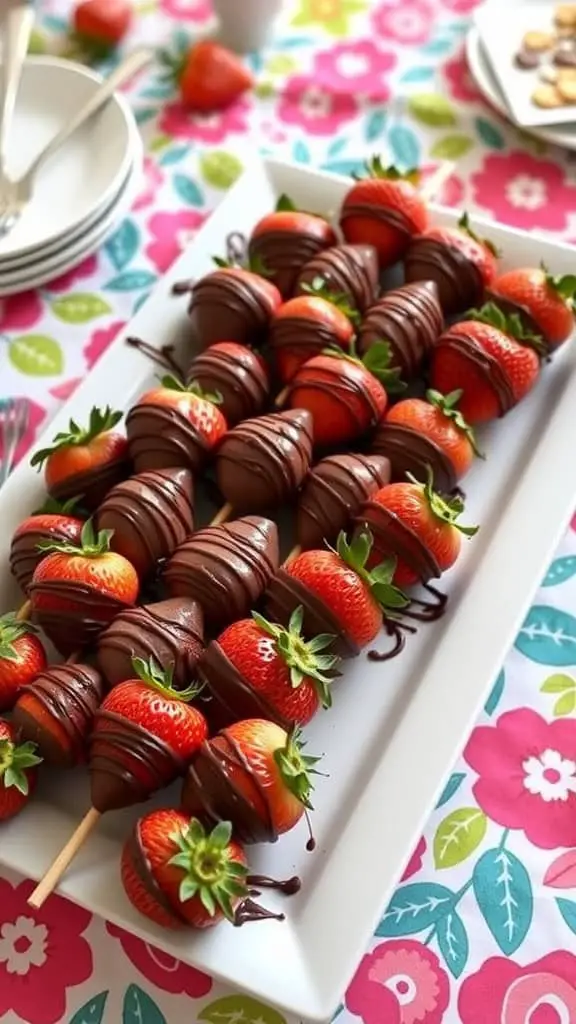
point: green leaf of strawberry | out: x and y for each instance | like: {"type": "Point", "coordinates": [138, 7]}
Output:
{"type": "Point", "coordinates": [303, 657]}
{"type": "Point", "coordinates": [92, 544]}
{"type": "Point", "coordinates": [11, 629]}
{"type": "Point", "coordinates": [510, 324]}
{"type": "Point", "coordinates": [14, 760]}
{"type": "Point", "coordinates": [446, 509]}
{"type": "Point", "coordinates": [285, 204]}
{"type": "Point", "coordinates": [564, 286]}
{"type": "Point", "coordinates": [297, 767]}
{"type": "Point", "coordinates": [466, 227]}
{"type": "Point", "coordinates": [319, 288]}
{"type": "Point", "coordinates": [448, 406]}
{"type": "Point", "coordinates": [356, 554]}
{"type": "Point", "coordinates": [100, 421]}
{"type": "Point", "coordinates": [209, 396]}
{"type": "Point", "coordinates": [211, 873]}
{"type": "Point", "coordinates": [377, 360]}
{"type": "Point", "coordinates": [376, 169]}
{"type": "Point", "coordinates": [52, 507]}
{"type": "Point", "coordinates": [151, 673]}
{"type": "Point", "coordinates": [255, 264]}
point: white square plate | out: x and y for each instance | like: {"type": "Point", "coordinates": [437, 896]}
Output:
{"type": "Point", "coordinates": [395, 728]}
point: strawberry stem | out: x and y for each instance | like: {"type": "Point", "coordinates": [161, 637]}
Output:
{"type": "Point", "coordinates": [379, 580]}
{"type": "Point", "coordinates": [320, 289]}
{"type": "Point", "coordinates": [564, 286]}
{"type": "Point", "coordinates": [447, 510]}
{"type": "Point", "coordinates": [303, 657]}
{"type": "Point", "coordinates": [92, 545]}
{"type": "Point", "coordinates": [466, 227]}
{"type": "Point", "coordinates": [11, 630]}
{"type": "Point", "coordinates": [151, 673]}
{"type": "Point", "coordinates": [14, 760]}
{"type": "Point", "coordinates": [447, 405]}
{"type": "Point", "coordinates": [210, 871]}
{"type": "Point", "coordinates": [285, 204]}
{"type": "Point", "coordinates": [510, 324]}
{"type": "Point", "coordinates": [377, 361]}
{"type": "Point", "coordinates": [52, 507]}
{"type": "Point", "coordinates": [376, 169]}
{"type": "Point", "coordinates": [296, 768]}
{"type": "Point", "coordinates": [99, 423]}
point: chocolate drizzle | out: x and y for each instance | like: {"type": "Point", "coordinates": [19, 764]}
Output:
{"type": "Point", "coordinates": [397, 631]}
{"type": "Point", "coordinates": [412, 452]}
{"type": "Point", "coordinates": [485, 365]}
{"type": "Point", "coordinates": [93, 485]}
{"type": "Point", "coordinates": [163, 356]}
{"type": "Point", "coordinates": [284, 251]}
{"type": "Point", "coordinates": [410, 319]}
{"type": "Point", "coordinates": [35, 530]}
{"type": "Point", "coordinates": [305, 337]}
{"type": "Point", "coordinates": [363, 214]}
{"type": "Point", "coordinates": [427, 611]}
{"type": "Point", "coordinates": [333, 492]}
{"type": "Point", "coordinates": [263, 461]}
{"type": "Point", "coordinates": [248, 911]}
{"type": "Point", "coordinates": [160, 437]}
{"type": "Point", "coordinates": [359, 409]}
{"type": "Point", "coordinates": [457, 278]}
{"type": "Point", "coordinates": [393, 536]}
{"type": "Point", "coordinates": [69, 695]}
{"type": "Point", "coordinates": [233, 699]}
{"type": "Point", "coordinates": [240, 377]}
{"type": "Point", "coordinates": [137, 874]}
{"type": "Point", "coordinates": [150, 515]}
{"type": "Point", "coordinates": [78, 615]}
{"type": "Point", "coordinates": [288, 886]}
{"type": "Point", "coordinates": [286, 593]}
{"type": "Point", "coordinates": [349, 270]}
{"type": "Point", "coordinates": [226, 568]}
{"type": "Point", "coordinates": [510, 308]}
{"type": "Point", "coordinates": [232, 305]}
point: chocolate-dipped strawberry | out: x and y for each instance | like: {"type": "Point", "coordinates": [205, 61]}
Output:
{"type": "Point", "coordinates": [285, 240]}
{"type": "Point", "coordinates": [237, 374]}
{"type": "Point", "coordinates": [410, 319]}
{"type": "Point", "coordinates": [56, 711]}
{"type": "Point", "coordinates": [169, 632]}
{"type": "Point", "coordinates": [225, 568]}
{"type": "Point", "coordinates": [333, 492]}
{"type": "Point", "coordinates": [149, 515]}
{"type": "Point", "coordinates": [85, 463]}
{"type": "Point", "coordinates": [461, 264]}
{"type": "Point", "coordinates": [305, 326]}
{"type": "Point", "coordinates": [259, 669]}
{"type": "Point", "coordinates": [55, 521]}
{"type": "Point", "coordinates": [174, 425]}
{"type": "Point", "coordinates": [350, 271]}
{"type": "Point", "coordinates": [255, 775]}
{"type": "Point", "coordinates": [418, 435]}
{"type": "Point", "coordinates": [232, 304]}
{"type": "Point", "coordinates": [541, 301]}
{"type": "Point", "coordinates": [262, 462]}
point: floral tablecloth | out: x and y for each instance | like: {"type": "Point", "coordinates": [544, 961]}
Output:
{"type": "Point", "coordinates": [480, 930]}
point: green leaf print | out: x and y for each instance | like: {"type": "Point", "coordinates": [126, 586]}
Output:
{"type": "Point", "coordinates": [36, 355]}
{"type": "Point", "coordinates": [458, 835]}
{"type": "Point", "coordinates": [79, 308]}
{"type": "Point", "coordinates": [432, 109]}
{"type": "Point", "coordinates": [220, 169]}
{"type": "Point", "coordinates": [240, 1009]}
{"type": "Point", "coordinates": [451, 147]}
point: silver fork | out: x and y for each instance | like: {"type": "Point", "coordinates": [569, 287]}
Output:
{"type": "Point", "coordinates": [14, 420]}
{"type": "Point", "coordinates": [17, 24]}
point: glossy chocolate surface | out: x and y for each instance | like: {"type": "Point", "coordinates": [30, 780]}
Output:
{"type": "Point", "coordinates": [229, 307]}
{"type": "Point", "coordinates": [69, 694]}
{"type": "Point", "coordinates": [366, 211]}
{"type": "Point", "coordinates": [485, 366]}
{"type": "Point", "coordinates": [511, 308]}
{"type": "Point", "coordinates": [240, 378]}
{"type": "Point", "coordinates": [285, 253]}
{"type": "Point", "coordinates": [85, 613]}
{"type": "Point", "coordinates": [162, 438]}
{"type": "Point", "coordinates": [458, 280]}
{"type": "Point", "coordinates": [333, 492]}
{"type": "Point", "coordinates": [93, 485]}
{"type": "Point", "coordinates": [24, 553]}
{"type": "Point", "coordinates": [410, 319]}
{"type": "Point", "coordinates": [127, 763]}
{"type": "Point", "coordinates": [411, 452]}
{"type": "Point", "coordinates": [285, 594]}
{"type": "Point", "coordinates": [393, 536]}
{"type": "Point", "coordinates": [232, 697]}
{"type": "Point", "coordinates": [349, 270]}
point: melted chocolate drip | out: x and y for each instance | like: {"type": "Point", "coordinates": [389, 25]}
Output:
{"type": "Point", "coordinates": [427, 611]}
{"type": "Point", "coordinates": [288, 887]}
{"type": "Point", "coordinates": [240, 378]}
{"type": "Point", "coordinates": [231, 305]}
{"type": "Point", "coordinates": [233, 699]}
{"type": "Point", "coordinates": [92, 485]}
{"type": "Point", "coordinates": [412, 452]}
{"type": "Point", "coordinates": [79, 615]}
{"type": "Point", "coordinates": [24, 552]}
{"type": "Point", "coordinates": [183, 287]}
{"type": "Point", "coordinates": [286, 593]}
{"type": "Point", "coordinates": [392, 535]}
{"type": "Point", "coordinates": [348, 270]}
{"type": "Point", "coordinates": [410, 319]}
{"type": "Point", "coordinates": [284, 251]}
{"type": "Point", "coordinates": [69, 696]}
{"type": "Point", "coordinates": [485, 365]}
{"type": "Point", "coordinates": [247, 911]}
{"type": "Point", "coordinates": [236, 246]}
{"type": "Point", "coordinates": [459, 281]}
{"type": "Point", "coordinates": [160, 356]}
{"type": "Point", "coordinates": [333, 493]}
{"type": "Point", "coordinates": [395, 629]}
{"type": "Point", "coordinates": [163, 438]}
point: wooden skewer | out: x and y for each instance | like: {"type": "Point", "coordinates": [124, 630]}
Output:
{"type": "Point", "coordinates": [281, 397]}
{"type": "Point", "coordinates": [58, 867]}
{"type": "Point", "coordinates": [24, 611]}
{"type": "Point", "coordinates": [223, 515]}
{"type": "Point", "coordinates": [296, 550]}
{"type": "Point", "coordinates": [434, 184]}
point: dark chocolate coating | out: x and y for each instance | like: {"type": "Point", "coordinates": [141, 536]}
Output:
{"type": "Point", "coordinates": [150, 515]}
{"type": "Point", "coordinates": [511, 308]}
{"type": "Point", "coordinates": [410, 319]}
{"type": "Point", "coordinates": [162, 438]}
{"type": "Point", "coordinates": [411, 452]}
{"type": "Point", "coordinates": [262, 462]}
{"type": "Point", "coordinates": [240, 378]}
{"type": "Point", "coordinates": [302, 335]}
{"type": "Point", "coordinates": [286, 593]}
{"type": "Point", "coordinates": [393, 536]}
{"type": "Point", "coordinates": [70, 694]}
{"type": "Point", "coordinates": [284, 253]}
{"type": "Point", "coordinates": [227, 306]}
{"type": "Point", "coordinates": [79, 624]}
{"type": "Point", "coordinates": [24, 553]}
{"type": "Point", "coordinates": [171, 632]}
{"type": "Point", "coordinates": [459, 282]}
{"type": "Point", "coordinates": [232, 697]}
{"type": "Point", "coordinates": [485, 365]}
{"type": "Point", "coordinates": [333, 492]}
{"type": "Point", "coordinates": [364, 212]}
{"type": "Point", "coordinates": [93, 485]}
{"type": "Point", "coordinates": [350, 270]}
{"type": "Point", "coordinates": [226, 568]}
{"type": "Point", "coordinates": [127, 763]}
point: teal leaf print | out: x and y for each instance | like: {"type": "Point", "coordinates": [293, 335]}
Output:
{"type": "Point", "coordinates": [417, 74]}
{"type": "Point", "coordinates": [294, 43]}
{"type": "Point", "coordinates": [458, 835]}
{"type": "Point", "coordinates": [345, 167]}
{"type": "Point", "coordinates": [188, 190]}
{"type": "Point", "coordinates": [55, 24]}
{"type": "Point", "coordinates": [139, 302]}
{"type": "Point", "coordinates": [36, 355]}
{"type": "Point", "coordinates": [504, 895]}
{"type": "Point", "coordinates": [92, 1012]}
{"type": "Point", "coordinates": [451, 147]}
{"type": "Point", "coordinates": [495, 695]}
{"type": "Point", "coordinates": [123, 245]}
{"type": "Point", "coordinates": [432, 109]}
{"type": "Point", "coordinates": [489, 133]}
{"type": "Point", "coordinates": [451, 787]}
{"type": "Point", "coordinates": [375, 126]}
{"type": "Point", "coordinates": [415, 907]}
{"type": "Point", "coordinates": [335, 148]}
{"type": "Point", "coordinates": [139, 1008]}
{"type": "Point", "coordinates": [174, 155]}
{"type": "Point", "coordinates": [548, 636]}
{"type": "Point", "coordinates": [241, 1008]}
{"type": "Point", "coordinates": [145, 114]}
{"type": "Point", "coordinates": [301, 153]}
{"type": "Point", "coordinates": [438, 47]}
{"type": "Point", "coordinates": [404, 146]}
{"type": "Point", "coordinates": [562, 569]}
{"type": "Point", "coordinates": [568, 910]}
{"type": "Point", "coordinates": [79, 308]}
{"type": "Point", "coordinates": [453, 942]}
{"type": "Point", "coordinates": [158, 91]}
{"type": "Point", "coordinates": [131, 281]}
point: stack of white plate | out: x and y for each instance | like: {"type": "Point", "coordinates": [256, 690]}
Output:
{"type": "Point", "coordinates": [87, 186]}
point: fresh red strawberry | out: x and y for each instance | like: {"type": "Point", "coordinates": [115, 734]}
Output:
{"type": "Point", "coordinates": [412, 522]}
{"type": "Point", "coordinates": [288, 675]}
{"type": "Point", "coordinates": [145, 732]}
{"type": "Point", "coordinates": [337, 589]}
{"type": "Point", "coordinates": [54, 522]}
{"type": "Point", "coordinates": [384, 210]}
{"type": "Point", "coordinates": [489, 359]}
{"type": "Point", "coordinates": [18, 771]}
{"type": "Point", "coordinates": [78, 589]}
{"type": "Point", "coordinates": [544, 303]}
{"type": "Point", "coordinates": [303, 327]}
{"type": "Point", "coordinates": [85, 463]}
{"type": "Point", "coordinates": [262, 763]}
{"type": "Point", "coordinates": [102, 24]}
{"type": "Point", "coordinates": [211, 77]}
{"type": "Point", "coordinates": [22, 657]}
{"type": "Point", "coordinates": [284, 241]}
{"type": "Point", "coordinates": [175, 873]}
{"type": "Point", "coordinates": [439, 420]}
{"type": "Point", "coordinates": [231, 304]}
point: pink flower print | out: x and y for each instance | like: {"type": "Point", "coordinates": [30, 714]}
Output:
{"type": "Point", "coordinates": [399, 982]}
{"type": "Point", "coordinates": [460, 82]}
{"type": "Point", "coordinates": [99, 342]}
{"type": "Point", "coordinates": [502, 992]}
{"type": "Point", "coordinates": [315, 109]}
{"type": "Point", "coordinates": [153, 180]}
{"type": "Point", "coordinates": [36, 416]}
{"type": "Point", "coordinates": [64, 390]}
{"type": "Point", "coordinates": [415, 862]}
{"type": "Point", "coordinates": [357, 68]}
{"type": "Point", "coordinates": [524, 191]}
{"type": "Point", "coordinates": [160, 968]}
{"type": "Point", "coordinates": [460, 6]}
{"type": "Point", "coordinates": [179, 122]}
{"type": "Point", "coordinates": [407, 22]}
{"type": "Point", "coordinates": [452, 191]}
{"type": "Point", "coordinates": [527, 775]}
{"type": "Point", "coordinates": [19, 312]}
{"type": "Point", "coordinates": [42, 954]}
{"type": "Point", "coordinates": [573, 523]}
{"type": "Point", "coordinates": [171, 233]}
{"type": "Point", "coordinates": [85, 269]}
{"type": "Point", "coordinates": [196, 11]}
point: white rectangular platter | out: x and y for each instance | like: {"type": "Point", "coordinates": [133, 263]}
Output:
{"type": "Point", "coordinates": [396, 727]}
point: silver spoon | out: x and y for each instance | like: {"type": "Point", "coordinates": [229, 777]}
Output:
{"type": "Point", "coordinates": [16, 29]}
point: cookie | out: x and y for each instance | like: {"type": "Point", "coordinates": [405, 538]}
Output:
{"type": "Point", "coordinates": [565, 16]}
{"type": "Point", "coordinates": [547, 97]}
{"type": "Point", "coordinates": [551, 75]}
{"type": "Point", "coordinates": [527, 60]}
{"type": "Point", "coordinates": [538, 41]}
{"type": "Point", "coordinates": [565, 53]}
{"type": "Point", "coordinates": [567, 89]}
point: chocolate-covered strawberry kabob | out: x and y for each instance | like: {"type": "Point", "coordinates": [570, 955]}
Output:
{"type": "Point", "coordinates": [237, 374]}
{"type": "Point", "coordinates": [174, 425]}
{"type": "Point", "coordinates": [18, 771]}
{"type": "Point", "coordinates": [148, 516]}
{"type": "Point", "coordinates": [225, 568]}
{"type": "Point", "coordinates": [145, 733]}
{"type": "Point", "coordinates": [285, 240]}
{"type": "Point", "coordinates": [410, 320]}
{"type": "Point", "coordinates": [305, 326]}
{"type": "Point", "coordinates": [461, 264]}
{"type": "Point", "coordinates": [419, 435]}
{"type": "Point", "coordinates": [85, 463]}
{"type": "Point", "coordinates": [544, 303]}
{"type": "Point", "coordinates": [490, 358]}
{"type": "Point", "coordinates": [232, 304]}
{"type": "Point", "coordinates": [22, 656]}
{"type": "Point", "coordinates": [56, 712]}
{"type": "Point", "coordinates": [259, 669]}
{"type": "Point", "coordinates": [350, 271]}
{"type": "Point", "coordinates": [55, 521]}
